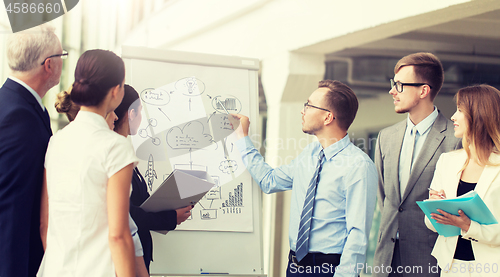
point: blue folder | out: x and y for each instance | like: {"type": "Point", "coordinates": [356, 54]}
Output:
{"type": "Point", "coordinates": [472, 205]}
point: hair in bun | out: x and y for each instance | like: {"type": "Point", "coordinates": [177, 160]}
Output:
{"type": "Point", "coordinates": [97, 71]}
{"type": "Point", "coordinates": [65, 105]}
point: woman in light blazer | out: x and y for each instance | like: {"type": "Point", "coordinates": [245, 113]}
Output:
{"type": "Point", "coordinates": [476, 252]}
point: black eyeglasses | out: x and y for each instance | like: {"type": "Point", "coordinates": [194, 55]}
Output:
{"type": "Point", "coordinates": [399, 85]}
{"type": "Point", "coordinates": [309, 105]}
{"type": "Point", "coordinates": [64, 55]}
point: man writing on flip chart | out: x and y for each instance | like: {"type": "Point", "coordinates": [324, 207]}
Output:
{"type": "Point", "coordinates": [333, 185]}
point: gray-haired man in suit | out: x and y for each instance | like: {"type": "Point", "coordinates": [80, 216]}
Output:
{"type": "Point", "coordinates": [35, 58]}
{"type": "Point", "coordinates": [405, 156]}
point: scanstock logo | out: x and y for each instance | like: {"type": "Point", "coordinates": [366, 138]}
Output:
{"type": "Point", "coordinates": [25, 14]}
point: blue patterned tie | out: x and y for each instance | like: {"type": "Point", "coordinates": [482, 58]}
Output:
{"type": "Point", "coordinates": [305, 220]}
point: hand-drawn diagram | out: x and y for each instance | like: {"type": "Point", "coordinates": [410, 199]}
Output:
{"type": "Point", "coordinates": [229, 103]}
{"type": "Point", "coordinates": [206, 210]}
{"type": "Point", "coordinates": [150, 173]}
{"type": "Point", "coordinates": [145, 134]}
{"type": "Point", "coordinates": [191, 136]}
{"type": "Point", "coordinates": [235, 202]}
{"type": "Point", "coordinates": [216, 181]}
{"type": "Point", "coordinates": [190, 86]}
{"type": "Point", "coordinates": [228, 166]}
{"type": "Point", "coordinates": [182, 127]}
{"type": "Point", "coordinates": [214, 193]}
{"type": "Point", "coordinates": [164, 113]}
{"type": "Point", "coordinates": [221, 126]}
{"type": "Point", "coordinates": [208, 214]}
{"type": "Point", "coordinates": [157, 97]}
{"type": "Point", "coordinates": [188, 137]}
{"type": "Point", "coordinates": [190, 83]}
{"type": "Point", "coordinates": [235, 198]}
{"type": "Point", "coordinates": [231, 204]}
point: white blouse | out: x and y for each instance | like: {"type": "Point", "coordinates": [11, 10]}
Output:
{"type": "Point", "coordinates": [135, 237]}
{"type": "Point", "coordinates": [79, 161]}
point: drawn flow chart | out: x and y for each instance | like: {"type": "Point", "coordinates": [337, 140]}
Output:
{"type": "Point", "coordinates": [145, 134]}
{"type": "Point", "coordinates": [190, 134]}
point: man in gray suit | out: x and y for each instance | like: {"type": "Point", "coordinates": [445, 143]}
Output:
{"type": "Point", "coordinates": [405, 156]}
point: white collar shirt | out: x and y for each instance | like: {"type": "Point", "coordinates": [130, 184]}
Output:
{"type": "Point", "coordinates": [80, 160]}
{"type": "Point", "coordinates": [35, 94]}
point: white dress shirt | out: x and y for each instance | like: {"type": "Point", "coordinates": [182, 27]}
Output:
{"type": "Point", "coordinates": [80, 160]}
{"type": "Point", "coordinates": [35, 94]}
{"type": "Point", "coordinates": [135, 237]}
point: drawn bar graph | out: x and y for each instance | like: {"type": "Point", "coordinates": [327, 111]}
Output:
{"type": "Point", "coordinates": [229, 104]}
{"type": "Point", "coordinates": [235, 198]}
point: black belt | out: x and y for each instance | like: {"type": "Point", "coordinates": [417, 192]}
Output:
{"type": "Point", "coordinates": [312, 259]}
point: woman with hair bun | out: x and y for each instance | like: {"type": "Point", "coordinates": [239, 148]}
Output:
{"type": "Point", "coordinates": [129, 119]}
{"type": "Point", "coordinates": [476, 252]}
{"type": "Point", "coordinates": [65, 105]}
{"type": "Point", "coordinates": [85, 197]}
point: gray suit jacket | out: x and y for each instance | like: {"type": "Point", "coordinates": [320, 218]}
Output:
{"type": "Point", "coordinates": [415, 240]}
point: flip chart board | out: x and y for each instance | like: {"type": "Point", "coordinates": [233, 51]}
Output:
{"type": "Point", "coordinates": [185, 99]}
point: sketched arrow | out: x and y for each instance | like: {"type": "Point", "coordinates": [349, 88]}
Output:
{"type": "Point", "coordinates": [189, 104]}
{"type": "Point", "coordinates": [210, 116]}
{"type": "Point", "coordinates": [164, 113]}
{"type": "Point", "coordinates": [209, 96]}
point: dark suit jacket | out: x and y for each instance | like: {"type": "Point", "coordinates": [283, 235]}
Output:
{"type": "Point", "coordinates": [415, 240]}
{"type": "Point", "coordinates": [146, 221]}
{"type": "Point", "coordinates": [24, 135]}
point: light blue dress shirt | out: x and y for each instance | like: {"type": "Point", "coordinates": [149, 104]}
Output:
{"type": "Point", "coordinates": [345, 196]}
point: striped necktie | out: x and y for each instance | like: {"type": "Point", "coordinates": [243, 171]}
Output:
{"type": "Point", "coordinates": [305, 220]}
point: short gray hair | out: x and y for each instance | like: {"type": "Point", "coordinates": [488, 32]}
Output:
{"type": "Point", "coordinates": [25, 50]}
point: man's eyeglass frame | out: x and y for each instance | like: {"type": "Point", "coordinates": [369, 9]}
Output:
{"type": "Point", "coordinates": [398, 83]}
{"type": "Point", "coordinates": [64, 55]}
{"type": "Point", "coordinates": [312, 106]}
